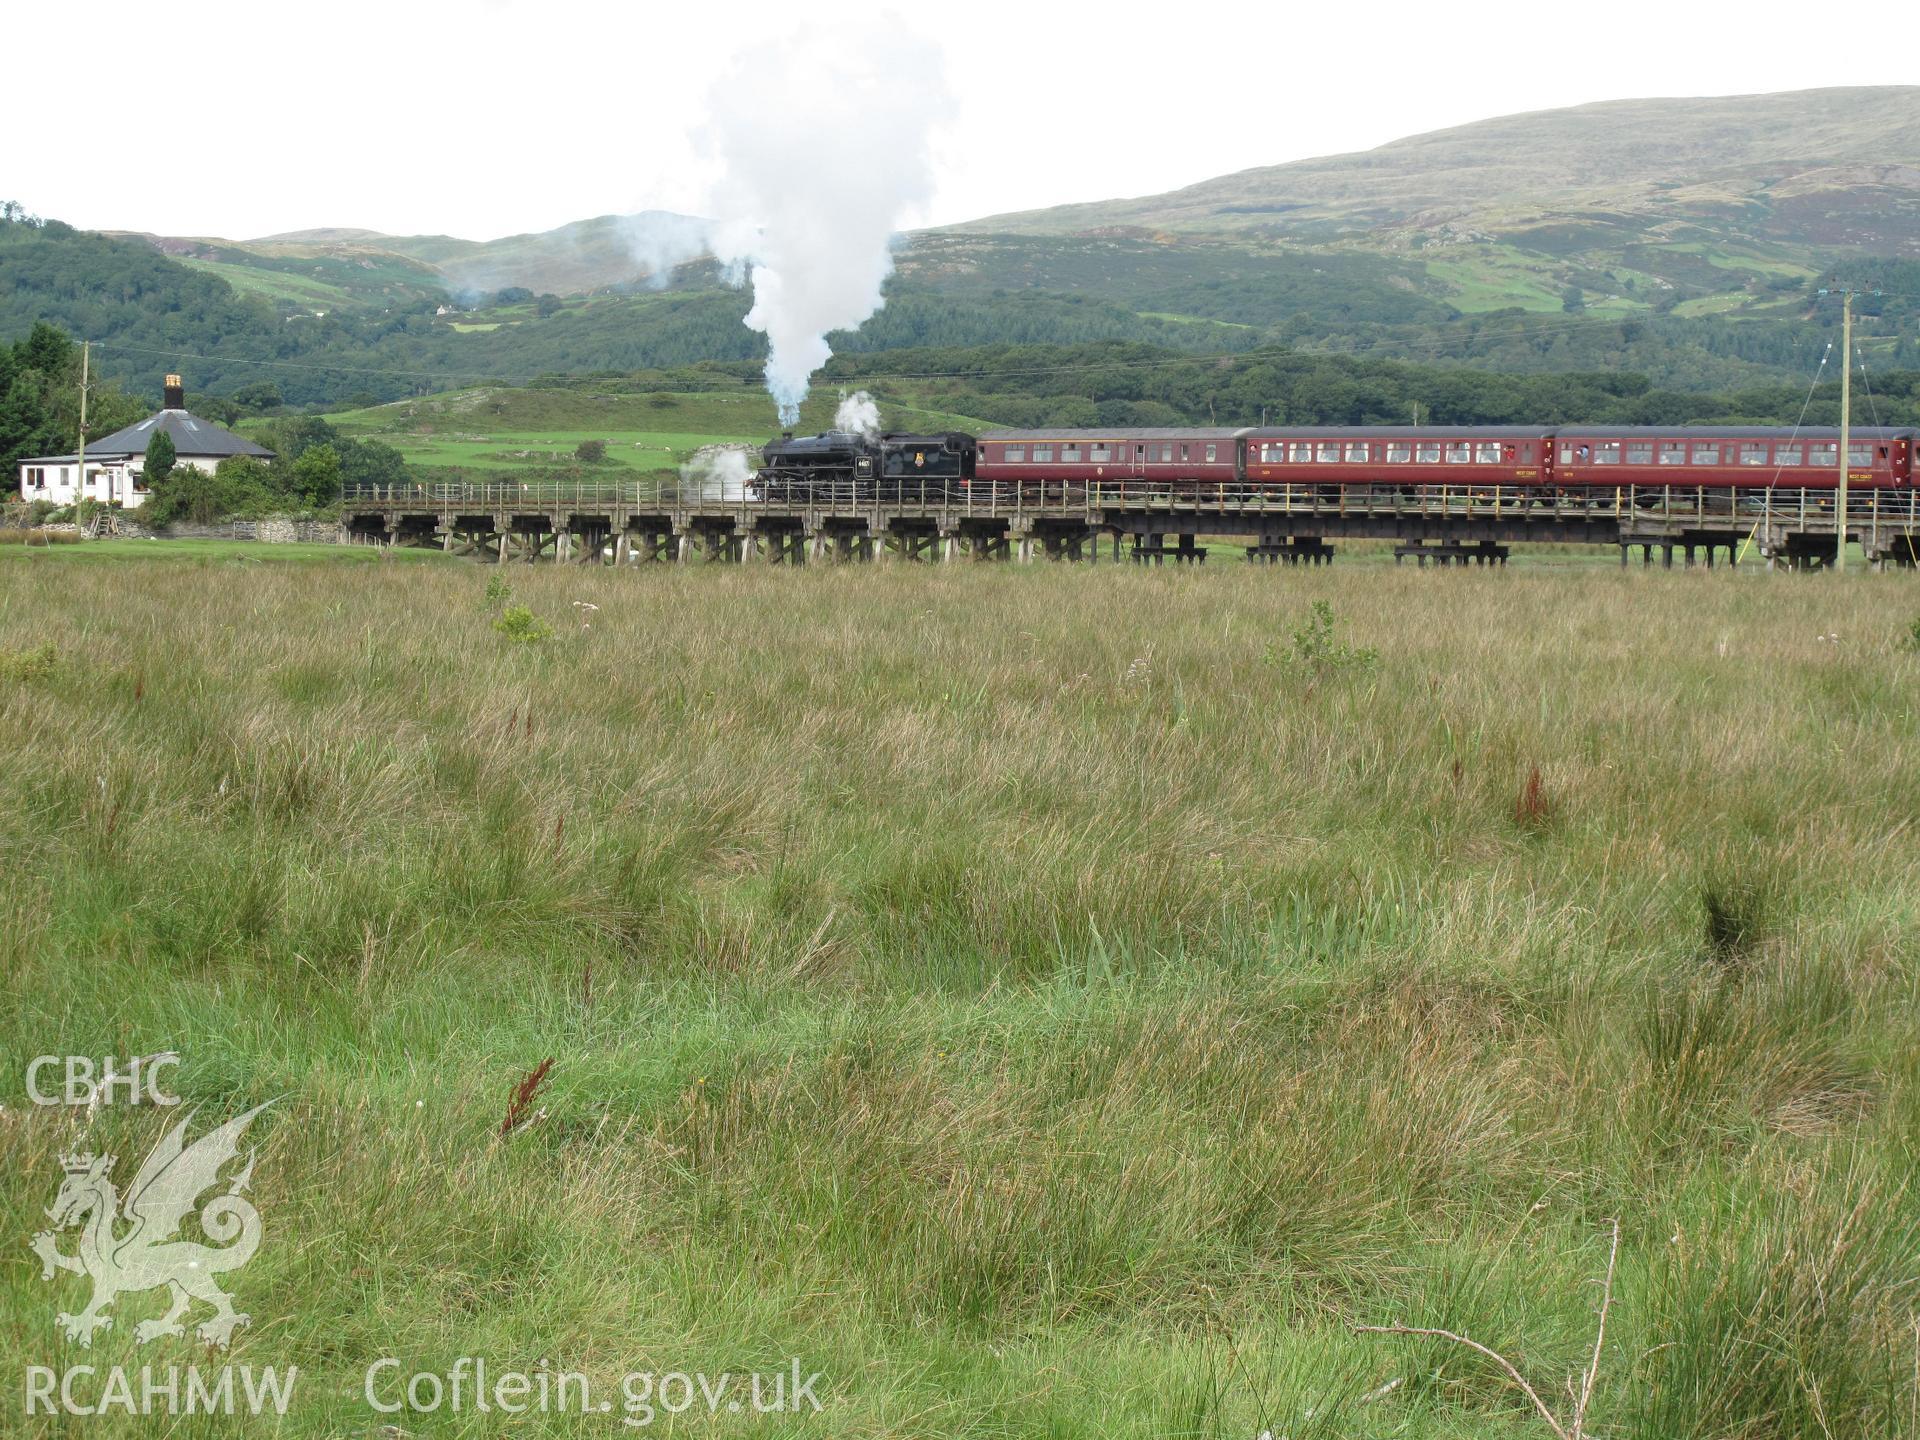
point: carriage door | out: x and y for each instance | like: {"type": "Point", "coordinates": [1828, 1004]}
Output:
{"type": "Point", "coordinates": [1137, 464]}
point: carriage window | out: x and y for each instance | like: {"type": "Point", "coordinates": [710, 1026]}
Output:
{"type": "Point", "coordinates": [1752, 453]}
{"type": "Point", "coordinates": [1459, 452]}
{"type": "Point", "coordinates": [1273, 454]}
{"type": "Point", "coordinates": [1399, 452]}
{"type": "Point", "coordinates": [1860, 454]}
{"type": "Point", "coordinates": [1825, 453]}
{"type": "Point", "coordinates": [1639, 452]}
{"type": "Point", "coordinates": [1358, 453]}
{"type": "Point", "coordinates": [1100, 454]}
{"type": "Point", "coordinates": [1329, 452]}
{"type": "Point", "coordinates": [1428, 453]}
{"type": "Point", "coordinates": [1487, 452]}
{"type": "Point", "coordinates": [1166, 454]}
{"type": "Point", "coordinates": [1210, 452]}
{"type": "Point", "coordinates": [1043, 454]}
{"type": "Point", "coordinates": [1706, 454]}
{"type": "Point", "coordinates": [1069, 453]}
{"type": "Point", "coordinates": [1673, 452]}
{"type": "Point", "coordinates": [1566, 454]}
{"type": "Point", "coordinates": [1300, 453]}
{"type": "Point", "coordinates": [1014, 454]}
{"type": "Point", "coordinates": [1607, 452]}
{"type": "Point", "coordinates": [1789, 454]}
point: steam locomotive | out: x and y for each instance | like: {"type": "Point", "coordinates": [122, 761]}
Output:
{"type": "Point", "coordinates": [1565, 459]}
{"type": "Point", "coordinates": [845, 465]}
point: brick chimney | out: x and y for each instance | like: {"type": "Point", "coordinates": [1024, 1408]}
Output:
{"type": "Point", "coordinates": [175, 395]}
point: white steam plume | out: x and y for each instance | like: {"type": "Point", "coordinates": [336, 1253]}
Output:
{"type": "Point", "coordinates": [857, 414]}
{"type": "Point", "coordinates": [716, 472]}
{"type": "Point", "coordinates": [822, 140]}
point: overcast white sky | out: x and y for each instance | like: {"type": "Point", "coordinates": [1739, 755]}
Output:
{"type": "Point", "coordinates": [491, 118]}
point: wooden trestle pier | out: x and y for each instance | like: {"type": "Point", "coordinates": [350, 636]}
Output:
{"type": "Point", "coordinates": [641, 522]}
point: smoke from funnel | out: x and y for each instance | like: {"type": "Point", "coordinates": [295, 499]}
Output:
{"type": "Point", "coordinates": [822, 139]}
{"type": "Point", "coordinates": [857, 414]}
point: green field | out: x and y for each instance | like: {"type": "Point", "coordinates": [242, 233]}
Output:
{"type": "Point", "coordinates": [1045, 1002]}
{"type": "Point", "coordinates": [503, 429]}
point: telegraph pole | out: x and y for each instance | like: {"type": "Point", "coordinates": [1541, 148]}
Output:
{"type": "Point", "coordinates": [1846, 417]}
{"type": "Point", "coordinates": [80, 486]}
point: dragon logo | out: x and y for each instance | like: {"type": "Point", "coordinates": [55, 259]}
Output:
{"type": "Point", "coordinates": [131, 1246]}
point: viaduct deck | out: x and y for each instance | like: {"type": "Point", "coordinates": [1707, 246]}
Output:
{"type": "Point", "coordinates": [642, 521]}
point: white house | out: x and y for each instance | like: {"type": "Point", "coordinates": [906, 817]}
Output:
{"type": "Point", "coordinates": [114, 462]}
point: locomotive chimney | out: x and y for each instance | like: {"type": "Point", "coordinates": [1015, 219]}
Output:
{"type": "Point", "coordinates": [174, 395]}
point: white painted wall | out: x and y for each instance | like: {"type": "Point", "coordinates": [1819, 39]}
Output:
{"type": "Point", "coordinates": [108, 481]}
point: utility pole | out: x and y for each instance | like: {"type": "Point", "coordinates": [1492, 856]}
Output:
{"type": "Point", "coordinates": [1846, 417]}
{"type": "Point", "coordinates": [80, 486]}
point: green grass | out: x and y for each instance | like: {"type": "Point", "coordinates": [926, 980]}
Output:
{"type": "Point", "coordinates": [203, 553]}
{"type": "Point", "coordinates": [1020, 993]}
{"type": "Point", "coordinates": [503, 429]}
{"type": "Point", "coordinates": [275, 285]}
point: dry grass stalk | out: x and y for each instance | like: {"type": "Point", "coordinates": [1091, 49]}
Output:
{"type": "Point", "coordinates": [522, 1100]}
{"type": "Point", "coordinates": [1563, 1432]}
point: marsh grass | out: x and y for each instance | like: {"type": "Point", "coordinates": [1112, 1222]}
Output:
{"type": "Point", "coordinates": [999, 987]}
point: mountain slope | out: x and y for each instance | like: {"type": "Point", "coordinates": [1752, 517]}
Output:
{"type": "Point", "coordinates": [1836, 167]}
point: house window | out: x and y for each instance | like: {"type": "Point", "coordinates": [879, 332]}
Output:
{"type": "Point", "coordinates": [1487, 452]}
{"type": "Point", "coordinates": [1827, 452]}
{"type": "Point", "coordinates": [1329, 452]}
{"type": "Point", "coordinates": [1607, 452]}
{"type": "Point", "coordinates": [1069, 454]}
{"type": "Point", "coordinates": [1673, 452]}
{"type": "Point", "coordinates": [1753, 453]}
{"type": "Point", "coordinates": [1706, 454]}
{"type": "Point", "coordinates": [1101, 454]}
{"type": "Point", "coordinates": [1014, 454]}
{"type": "Point", "coordinates": [1794, 454]}
{"type": "Point", "coordinates": [1399, 452]}
{"type": "Point", "coordinates": [1459, 452]}
{"type": "Point", "coordinates": [1043, 454]}
{"type": "Point", "coordinates": [1358, 452]}
{"type": "Point", "coordinates": [1428, 452]}
{"type": "Point", "coordinates": [1639, 452]}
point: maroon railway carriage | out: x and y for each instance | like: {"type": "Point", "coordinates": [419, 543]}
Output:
{"type": "Point", "coordinates": [1402, 455]}
{"type": "Point", "coordinates": [1168, 457]}
{"type": "Point", "coordinates": [1730, 456]}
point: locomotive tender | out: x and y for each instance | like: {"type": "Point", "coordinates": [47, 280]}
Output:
{"type": "Point", "coordinates": [1561, 460]}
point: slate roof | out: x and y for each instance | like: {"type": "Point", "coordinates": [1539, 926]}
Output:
{"type": "Point", "coordinates": [193, 439]}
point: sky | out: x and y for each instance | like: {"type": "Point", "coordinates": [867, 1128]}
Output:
{"type": "Point", "coordinates": [497, 117]}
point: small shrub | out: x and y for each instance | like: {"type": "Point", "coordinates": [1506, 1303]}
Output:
{"type": "Point", "coordinates": [1911, 640]}
{"type": "Point", "coordinates": [499, 592]}
{"type": "Point", "coordinates": [521, 625]}
{"type": "Point", "coordinates": [591, 452]}
{"type": "Point", "coordinates": [34, 664]}
{"type": "Point", "coordinates": [1317, 652]}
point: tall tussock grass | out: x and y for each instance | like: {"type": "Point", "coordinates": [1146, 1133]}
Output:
{"type": "Point", "coordinates": [1026, 994]}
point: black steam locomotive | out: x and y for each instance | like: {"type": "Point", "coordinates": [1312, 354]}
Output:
{"type": "Point", "coordinates": [846, 466]}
